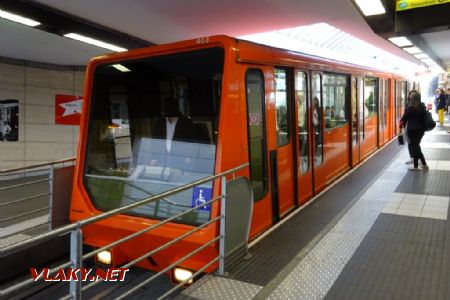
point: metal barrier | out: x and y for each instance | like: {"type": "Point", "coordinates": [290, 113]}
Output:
{"type": "Point", "coordinates": [44, 172]}
{"type": "Point", "coordinates": [77, 257]}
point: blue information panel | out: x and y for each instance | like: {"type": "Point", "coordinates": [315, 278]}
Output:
{"type": "Point", "coordinates": [201, 195]}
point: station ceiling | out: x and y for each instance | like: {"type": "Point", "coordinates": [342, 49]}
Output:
{"type": "Point", "coordinates": [138, 23]}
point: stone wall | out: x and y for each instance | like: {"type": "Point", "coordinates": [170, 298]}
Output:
{"type": "Point", "coordinates": [40, 139]}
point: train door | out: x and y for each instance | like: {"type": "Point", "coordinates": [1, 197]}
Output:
{"type": "Point", "coordinates": [355, 142]}
{"type": "Point", "coordinates": [257, 149]}
{"type": "Point", "coordinates": [282, 160]}
{"type": "Point", "coordinates": [319, 175]}
{"type": "Point", "coordinates": [381, 112]}
{"type": "Point", "coordinates": [304, 136]}
{"type": "Point", "coordinates": [357, 112]}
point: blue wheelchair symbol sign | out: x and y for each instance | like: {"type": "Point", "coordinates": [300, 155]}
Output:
{"type": "Point", "coordinates": [200, 196]}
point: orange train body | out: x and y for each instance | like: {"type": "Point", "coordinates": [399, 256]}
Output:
{"type": "Point", "coordinates": [290, 148]}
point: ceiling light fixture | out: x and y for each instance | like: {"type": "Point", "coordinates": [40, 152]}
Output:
{"type": "Point", "coordinates": [18, 19]}
{"type": "Point", "coordinates": [371, 7]}
{"type": "Point", "coordinates": [94, 42]}
{"type": "Point", "coordinates": [412, 50]}
{"type": "Point", "coordinates": [428, 61]}
{"type": "Point", "coordinates": [421, 55]}
{"type": "Point", "coordinates": [400, 41]}
{"type": "Point", "coordinates": [121, 68]}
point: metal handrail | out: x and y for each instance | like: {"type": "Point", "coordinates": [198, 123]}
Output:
{"type": "Point", "coordinates": [24, 199]}
{"type": "Point", "coordinates": [23, 184]}
{"type": "Point", "coordinates": [146, 229]}
{"type": "Point", "coordinates": [75, 229]}
{"type": "Point", "coordinates": [162, 247]}
{"type": "Point", "coordinates": [135, 288]}
{"type": "Point", "coordinates": [5, 171]}
{"type": "Point", "coordinates": [68, 228]}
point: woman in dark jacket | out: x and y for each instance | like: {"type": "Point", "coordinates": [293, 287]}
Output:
{"type": "Point", "coordinates": [440, 105]}
{"type": "Point", "coordinates": [414, 118]}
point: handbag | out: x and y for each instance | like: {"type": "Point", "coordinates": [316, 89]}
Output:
{"type": "Point", "coordinates": [429, 122]}
{"type": "Point", "coordinates": [400, 139]}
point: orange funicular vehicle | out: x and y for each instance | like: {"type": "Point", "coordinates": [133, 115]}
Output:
{"type": "Point", "coordinates": [299, 121]}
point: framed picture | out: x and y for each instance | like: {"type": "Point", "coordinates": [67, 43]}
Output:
{"type": "Point", "coordinates": [9, 120]}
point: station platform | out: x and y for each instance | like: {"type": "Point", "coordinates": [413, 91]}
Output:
{"type": "Point", "coordinates": [380, 232]}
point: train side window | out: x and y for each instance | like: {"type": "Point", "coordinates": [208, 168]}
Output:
{"type": "Point", "coordinates": [371, 96]}
{"type": "Point", "coordinates": [362, 109]}
{"type": "Point", "coordinates": [335, 100]}
{"type": "Point", "coordinates": [385, 103]}
{"type": "Point", "coordinates": [354, 99]}
{"type": "Point", "coordinates": [256, 132]}
{"type": "Point", "coordinates": [303, 128]}
{"type": "Point", "coordinates": [381, 105]}
{"type": "Point", "coordinates": [317, 118]}
{"type": "Point", "coordinates": [282, 107]}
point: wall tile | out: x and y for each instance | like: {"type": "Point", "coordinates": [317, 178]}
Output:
{"type": "Point", "coordinates": [11, 151]}
{"type": "Point", "coordinates": [10, 164]}
{"type": "Point", "coordinates": [43, 96]}
{"type": "Point", "coordinates": [47, 151]}
{"type": "Point", "coordinates": [79, 81]}
{"type": "Point", "coordinates": [50, 79]}
{"type": "Point", "coordinates": [40, 140]}
{"type": "Point", "coordinates": [12, 91]}
{"type": "Point", "coordinates": [11, 74]}
{"type": "Point", "coordinates": [39, 114]}
{"type": "Point", "coordinates": [48, 133]}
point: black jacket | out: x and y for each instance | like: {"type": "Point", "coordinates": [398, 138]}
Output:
{"type": "Point", "coordinates": [414, 117]}
{"type": "Point", "coordinates": [184, 130]}
{"type": "Point", "coordinates": [440, 102]}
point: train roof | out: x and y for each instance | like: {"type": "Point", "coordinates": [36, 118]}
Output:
{"type": "Point", "coordinates": [251, 52]}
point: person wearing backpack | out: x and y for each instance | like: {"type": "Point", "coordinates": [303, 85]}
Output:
{"type": "Point", "coordinates": [413, 120]}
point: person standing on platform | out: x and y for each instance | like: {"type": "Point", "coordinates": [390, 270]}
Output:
{"type": "Point", "coordinates": [447, 101]}
{"type": "Point", "coordinates": [413, 119]}
{"type": "Point", "coordinates": [440, 105]}
{"type": "Point", "coordinates": [405, 130]}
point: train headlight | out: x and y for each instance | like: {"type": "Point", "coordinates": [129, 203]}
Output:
{"type": "Point", "coordinates": [180, 275]}
{"type": "Point", "coordinates": [104, 257]}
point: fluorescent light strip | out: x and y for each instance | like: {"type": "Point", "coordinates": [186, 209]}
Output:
{"type": "Point", "coordinates": [412, 50]}
{"type": "Point", "coordinates": [401, 41]}
{"type": "Point", "coordinates": [18, 19]}
{"type": "Point", "coordinates": [428, 61]}
{"type": "Point", "coordinates": [94, 42]}
{"type": "Point", "coordinates": [121, 68]}
{"type": "Point", "coordinates": [371, 7]}
{"type": "Point", "coordinates": [421, 55]}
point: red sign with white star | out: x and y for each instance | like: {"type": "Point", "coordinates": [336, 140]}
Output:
{"type": "Point", "coordinates": [68, 109]}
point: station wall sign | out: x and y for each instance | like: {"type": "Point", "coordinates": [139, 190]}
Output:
{"type": "Point", "coordinates": [411, 4]}
{"type": "Point", "coordinates": [9, 120]}
{"type": "Point", "coordinates": [68, 109]}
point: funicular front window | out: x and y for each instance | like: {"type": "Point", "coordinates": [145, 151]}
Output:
{"type": "Point", "coordinates": [153, 127]}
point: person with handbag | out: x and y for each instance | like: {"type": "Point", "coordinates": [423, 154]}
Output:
{"type": "Point", "coordinates": [414, 120]}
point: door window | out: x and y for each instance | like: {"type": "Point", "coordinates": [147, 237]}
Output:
{"type": "Point", "coordinates": [301, 92]}
{"type": "Point", "coordinates": [282, 107]}
{"type": "Point", "coordinates": [317, 118]}
{"type": "Point", "coordinates": [256, 132]}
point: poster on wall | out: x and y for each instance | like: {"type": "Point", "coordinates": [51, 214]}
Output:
{"type": "Point", "coordinates": [9, 120]}
{"type": "Point", "coordinates": [68, 109]}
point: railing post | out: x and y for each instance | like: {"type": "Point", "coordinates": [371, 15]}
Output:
{"type": "Point", "coordinates": [76, 262]}
{"type": "Point", "coordinates": [50, 200]}
{"type": "Point", "coordinates": [222, 227]}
